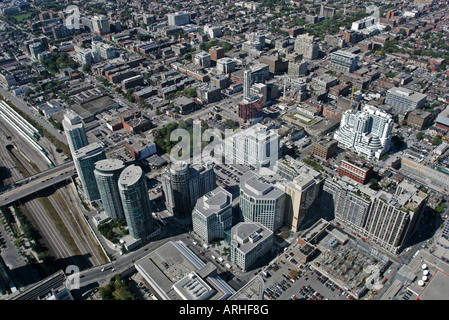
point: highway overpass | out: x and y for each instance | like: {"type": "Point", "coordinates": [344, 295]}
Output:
{"type": "Point", "coordinates": [36, 183]}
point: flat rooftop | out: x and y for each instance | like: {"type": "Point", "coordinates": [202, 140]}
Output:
{"type": "Point", "coordinates": [172, 270]}
{"type": "Point", "coordinates": [109, 165]}
{"type": "Point", "coordinates": [130, 175]}
{"type": "Point", "coordinates": [214, 201]}
{"type": "Point", "coordinates": [258, 187]}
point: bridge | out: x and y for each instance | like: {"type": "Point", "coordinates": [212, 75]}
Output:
{"type": "Point", "coordinates": [36, 183]}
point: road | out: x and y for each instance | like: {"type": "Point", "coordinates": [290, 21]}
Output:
{"type": "Point", "coordinates": [40, 181]}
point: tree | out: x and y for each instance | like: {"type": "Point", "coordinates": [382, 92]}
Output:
{"type": "Point", "coordinates": [437, 141]}
{"type": "Point", "coordinates": [374, 184]}
{"type": "Point", "coordinates": [419, 135]}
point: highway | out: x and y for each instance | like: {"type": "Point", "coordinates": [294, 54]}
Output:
{"type": "Point", "coordinates": [38, 182]}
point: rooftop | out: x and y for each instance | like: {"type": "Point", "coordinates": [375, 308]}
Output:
{"type": "Point", "coordinates": [257, 186]}
{"type": "Point", "coordinates": [109, 165]}
{"type": "Point", "coordinates": [130, 175]}
{"type": "Point", "coordinates": [214, 201]}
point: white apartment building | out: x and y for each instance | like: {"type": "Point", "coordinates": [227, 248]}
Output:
{"type": "Point", "coordinates": [367, 132]}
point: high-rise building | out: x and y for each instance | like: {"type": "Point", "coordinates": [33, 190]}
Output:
{"type": "Point", "coordinates": [392, 218]}
{"type": "Point", "coordinates": [225, 65]}
{"type": "Point", "coordinates": [136, 202]}
{"type": "Point", "coordinates": [246, 83]}
{"type": "Point", "coordinates": [74, 131]}
{"type": "Point", "coordinates": [300, 195]}
{"type": "Point", "coordinates": [343, 61]}
{"type": "Point", "coordinates": [348, 203]}
{"type": "Point", "coordinates": [403, 100]}
{"type": "Point", "coordinates": [178, 18]}
{"type": "Point", "coordinates": [367, 132]}
{"type": "Point", "coordinates": [256, 146]}
{"type": "Point", "coordinates": [327, 12]}
{"type": "Point", "coordinates": [183, 185]}
{"type": "Point", "coordinates": [261, 201]}
{"type": "Point", "coordinates": [212, 215]}
{"type": "Point", "coordinates": [202, 59]}
{"type": "Point", "coordinates": [84, 160]}
{"type": "Point", "coordinates": [101, 25]}
{"type": "Point", "coordinates": [250, 241]}
{"type": "Point", "coordinates": [305, 44]}
{"type": "Point", "coordinates": [107, 173]}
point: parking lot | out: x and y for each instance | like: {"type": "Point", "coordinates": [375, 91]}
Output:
{"type": "Point", "coordinates": [308, 284]}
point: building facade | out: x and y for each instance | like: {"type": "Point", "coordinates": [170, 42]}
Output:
{"type": "Point", "coordinates": [256, 146]}
{"type": "Point", "coordinates": [183, 185]}
{"type": "Point", "coordinates": [367, 132]}
{"type": "Point", "coordinates": [393, 218]}
{"type": "Point", "coordinates": [403, 99]}
{"type": "Point", "coordinates": [305, 44]}
{"type": "Point", "coordinates": [300, 195]}
{"type": "Point", "coordinates": [136, 203]}
{"type": "Point", "coordinates": [74, 131]}
{"type": "Point", "coordinates": [249, 243]}
{"type": "Point", "coordinates": [261, 201]}
{"type": "Point", "coordinates": [178, 19]}
{"type": "Point", "coordinates": [213, 215]}
{"type": "Point", "coordinates": [84, 160]}
{"type": "Point", "coordinates": [356, 170]}
{"type": "Point", "coordinates": [343, 61]}
{"type": "Point", "coordinates": [107, 173]}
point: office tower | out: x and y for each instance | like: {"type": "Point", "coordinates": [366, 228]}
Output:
{"type": "Point", "coordinates": [403, 100]}
{"type": "Point", "coordinates": [256, 146]}
{"type": "Point", "coordinates": [392, 218]}
{"type": "Point", "coordinates": [202, 59]}
{"type": "Point", "coordinates": [136, 202]}
{"type": "Point", "coordinates": [178, 19]}
{"type": "Point", "coordinates": [261, 201]}
{"type": "Point", "coordinates": [343, 61]}
{"type": "Point", "coordinates": [305, 44]}
{"type": "Point", "coordinates": [183, 185]}
{"type": "Point", "coordinates": [250, 241]}
{"type": "Point", "coordinates": [107, 173]}
{"type": "Point", "coordinates": [213, 214]}
{"type": "Point", "coordinates": [74, 131]}
{"type": "Point", "coordinates": [300, 195]}
{"type": "Point", "coordinates": [225, 65]}
{"type": "Point", "coordinates": [246, 83]}
{"type": "Point", "coordinates": [84, 160]}
{"type": "Point", "coordinates": [367, 132]}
